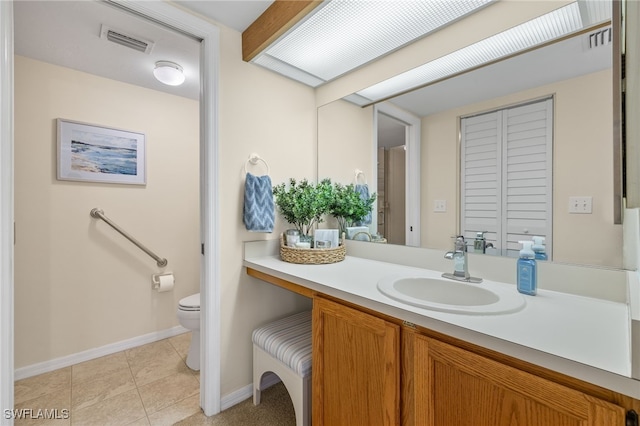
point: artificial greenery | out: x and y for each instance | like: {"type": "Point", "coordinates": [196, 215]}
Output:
{"type": "Point", "coordinates": [348, 207]}
{"type": "Point", "coordinates": [304, 203]}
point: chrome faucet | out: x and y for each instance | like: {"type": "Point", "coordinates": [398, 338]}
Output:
{"type": "Point", "coordinates": [480, 244]}
{"type": "Point", "coordinates": [460, 262]}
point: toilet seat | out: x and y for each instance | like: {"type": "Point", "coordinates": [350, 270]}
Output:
{"type": "Point", "coordinates": [190, 303]}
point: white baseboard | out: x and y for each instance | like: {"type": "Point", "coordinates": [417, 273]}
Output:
{"type": "Point", "coordinates": [66, 361]}
{"type": "Point", "coordinates": [236, 397]}
{"type": "Point", "coordinates": [228, 401]}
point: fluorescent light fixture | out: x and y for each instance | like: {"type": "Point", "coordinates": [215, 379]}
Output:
{"type": "Point", "coordinates": [343, 35]}
{"type": "Point", "coordinates": [169, 73]}
{"type": "Point", "coordinates": [558, 23]}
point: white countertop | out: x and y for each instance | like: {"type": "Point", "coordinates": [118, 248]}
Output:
{"type": "Point", "coordinates": [579, 336]}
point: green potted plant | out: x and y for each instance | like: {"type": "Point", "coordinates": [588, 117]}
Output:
{"type": "Point", "coordinates": [348, 207]}
{"type": "Point", "coordinates": [303, 204]}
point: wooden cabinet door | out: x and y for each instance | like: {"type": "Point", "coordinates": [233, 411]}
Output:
{"type": "Point", "coordinates": [455, 387]}
{"type": "Point", "coordinates": [356, 367]}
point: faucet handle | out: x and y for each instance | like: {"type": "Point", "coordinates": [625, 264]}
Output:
{"type": "Point", "coordinates": [459, 244]}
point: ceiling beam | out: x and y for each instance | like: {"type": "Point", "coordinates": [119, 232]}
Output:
{"type": "Point", "coordinates": [275, 21]}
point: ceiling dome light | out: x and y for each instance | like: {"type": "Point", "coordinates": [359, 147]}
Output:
{"type": "Point", "coordinates": [169, 73]}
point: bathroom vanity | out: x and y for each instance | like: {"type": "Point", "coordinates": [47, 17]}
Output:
{"type": "Point", "coordinates": [561, 359]}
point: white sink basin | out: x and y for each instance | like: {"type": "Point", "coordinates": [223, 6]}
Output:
{"type": "Point", "coordinates": [452, 296]}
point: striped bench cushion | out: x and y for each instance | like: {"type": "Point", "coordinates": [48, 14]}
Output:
{"type": "Point", "coordinates": [288, 340]}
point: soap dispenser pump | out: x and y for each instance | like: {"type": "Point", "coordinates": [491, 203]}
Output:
{"type": "Point", "coordinates": [527, 270]}
{"type": "Point", "coordinates": [538, 248]}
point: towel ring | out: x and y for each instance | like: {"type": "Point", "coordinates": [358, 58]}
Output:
{"type": "Point", "coordinates": [254, 159]}
{"type": "Point", "coordinates": [359, 173]}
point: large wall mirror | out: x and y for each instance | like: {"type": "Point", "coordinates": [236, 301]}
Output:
{"type": "Point", "coordinates": [573, 75]}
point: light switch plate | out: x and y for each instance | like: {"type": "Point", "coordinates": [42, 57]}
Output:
{"type": "Point", "coordinates": [580, 205]}
{"type": "Point", "coordinates": [440, 206]}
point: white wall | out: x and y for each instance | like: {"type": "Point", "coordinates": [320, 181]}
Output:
{"type": "Point", "coordinates": [79, 284]}
{"type": "Point", "coordinates": [582, 166]}
{"type": "Point", "coordinates": [347, 134]}
{"type": "Point", "coordinates": [261, 112]}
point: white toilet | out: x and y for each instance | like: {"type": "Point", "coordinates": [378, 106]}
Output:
{"type": "Point", "coordinates": [189, 317]}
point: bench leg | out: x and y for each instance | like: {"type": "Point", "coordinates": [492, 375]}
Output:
{"type": "Point", "coordinates": [299, 388]}
{"type": "Point", "coordinates": [257, 376]}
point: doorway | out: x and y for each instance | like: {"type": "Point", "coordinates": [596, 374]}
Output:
{"type": "Point", "coordinates": [209, 270]}
{"type": "Point", "coordinates": [391, 179]}
{"type": "Point", "coordinates": [397, 150]}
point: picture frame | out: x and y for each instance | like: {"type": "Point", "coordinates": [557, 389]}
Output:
{"type": "Point", "coordinates": [94, 153]}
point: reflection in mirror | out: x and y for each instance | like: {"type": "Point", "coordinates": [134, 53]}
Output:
{"type": "Point", "coordinates": [573, 73]}
{"type": "Point", "coordinates": [391, 152]}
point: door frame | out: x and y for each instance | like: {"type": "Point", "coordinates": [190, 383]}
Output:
{"type": "Point", "coordinates": [412, 169]}
{"type": "Point", "coordinates": [209, 34]}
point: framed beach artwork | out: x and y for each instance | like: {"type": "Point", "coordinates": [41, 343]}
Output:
{"type": "Point", "coordinates": [93, 153]}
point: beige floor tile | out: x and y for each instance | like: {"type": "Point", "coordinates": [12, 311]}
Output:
{"type": "Point", "coordinates": [181, 344]}
{"type": "Point", "coordinates": [98, 367]}
{"type": "Point", "coordinates": [50, 409]}
{"type": "Point", "coordinates": [49, 383]}
{"type": "Point", "coordinates": [168, 391]}
{"type": "Point", "coordinates": [150, 351]}
{"type": "Point", "coordinates": [140, 422]}
{"type": "Point", "coordinates": [89, 392]}
{"type": "Point", "coordinates": [121, 409]}
{"type": "Point", "coordinates": [154, 362]}
{"type": "Point", "coordinates": [174, 413]}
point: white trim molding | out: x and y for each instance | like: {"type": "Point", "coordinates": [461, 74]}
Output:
{"type": "Point", "coordinates": [236, 397]}
{"type": "Point", "coordinates": [66, 361]}
{"type": "Point", "coordinates": [6, 209]}
{"type": "Point", "coordinates": [412, 169]}
{"type": "Point", "coordinates": [209, 35]}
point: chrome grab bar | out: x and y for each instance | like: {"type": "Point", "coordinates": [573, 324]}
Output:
{"type": "Point", "coordinates": [99, 214]}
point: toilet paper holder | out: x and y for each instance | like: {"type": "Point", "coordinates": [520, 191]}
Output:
{"type": "Point", "coordinates": [163, 282]}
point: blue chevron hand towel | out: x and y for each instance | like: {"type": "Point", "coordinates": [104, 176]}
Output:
{"type": "Point", "coordinates": [363, 190]}
{"type": "Point", "coordinates": [259, 210]}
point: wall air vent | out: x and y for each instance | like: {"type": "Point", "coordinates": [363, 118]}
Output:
{"type": "Point", "coordinates": [127, 40]}
{"type": "Point", "coordinates": [599, 38]}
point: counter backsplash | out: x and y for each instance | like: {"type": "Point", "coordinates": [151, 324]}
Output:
{"type": "Point", "coordinates": [589, 281]}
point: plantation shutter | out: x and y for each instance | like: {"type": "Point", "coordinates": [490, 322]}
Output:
{"type": "Point", "coordinates": [481, 170]}
{"type": "Point", "coordinates": [527, 152]}
{"type": "Point", "coordinates": [521, 166]}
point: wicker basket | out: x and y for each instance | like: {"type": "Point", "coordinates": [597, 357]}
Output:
{"type": "Point", "coordinates": [312, 256]}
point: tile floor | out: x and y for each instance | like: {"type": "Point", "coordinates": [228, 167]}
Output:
{"type": "Point", "coordinates": [147, 385]}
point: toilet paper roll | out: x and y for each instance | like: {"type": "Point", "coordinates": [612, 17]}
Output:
{"type": "Point", "coordinates": [163, 282]}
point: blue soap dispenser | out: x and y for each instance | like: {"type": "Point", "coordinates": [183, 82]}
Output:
{"type": "Point", "coordinates": [527, 270]}
{"type": "Point", "coordinates": [538, 248]}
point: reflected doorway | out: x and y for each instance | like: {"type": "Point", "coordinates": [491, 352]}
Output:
{"type": "Point", "coordinates": [392, 135]}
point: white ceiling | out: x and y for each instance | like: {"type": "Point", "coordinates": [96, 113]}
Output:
{"type": "Point", "coordinates": [236, 14]}
{"type": "Point", "coordinates": [67, 33]}
{"type": "Point", "coordinates": [563, 60]}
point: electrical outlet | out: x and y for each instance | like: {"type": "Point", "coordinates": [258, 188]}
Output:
{"type": "Point", "coordinates": [580, 205]}
{"type": "Point", "coordinates": [440, 206]}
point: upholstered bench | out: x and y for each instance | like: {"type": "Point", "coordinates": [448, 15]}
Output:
{"type": "Point", "coordinates": [284, 348]}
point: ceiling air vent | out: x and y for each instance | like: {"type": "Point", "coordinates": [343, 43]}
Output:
{"type": "Point", "coordinates": [126, 40]}
{"type": "Point", "coordinates": [599, 38]}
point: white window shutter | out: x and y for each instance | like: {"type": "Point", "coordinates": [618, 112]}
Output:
{"type": "Point", "coordinates": [481, 170]}
{"type": "Point", "coordinates": [526, 183]}
{"type": "Point", "coordinates": [507, 175]}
